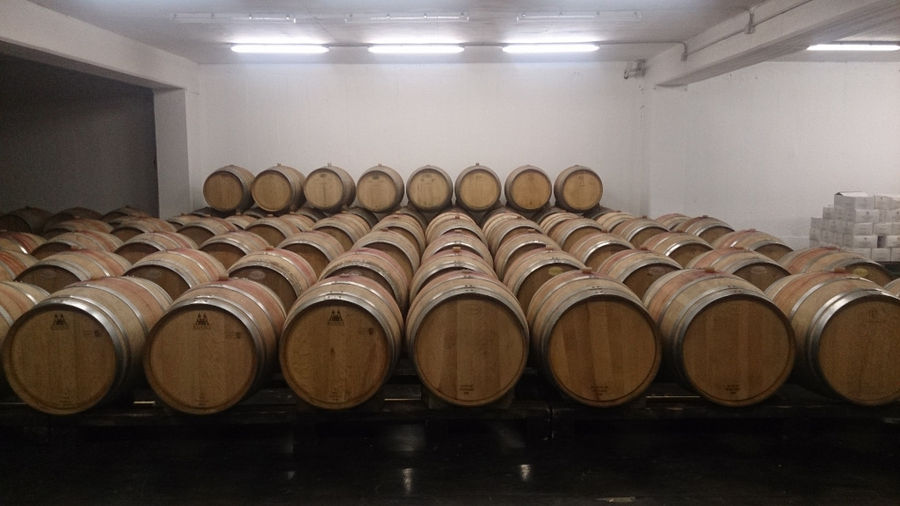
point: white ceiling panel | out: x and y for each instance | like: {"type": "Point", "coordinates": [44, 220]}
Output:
{"type": "Point", "coordinates": [651, 25]}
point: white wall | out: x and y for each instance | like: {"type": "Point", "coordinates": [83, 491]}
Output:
{"type": "Point", "coordinates": [767, 146]}
{"type": "Point", "coordinates": [405, 116]}
{"type": "Point", "coordinates": [97, 153]}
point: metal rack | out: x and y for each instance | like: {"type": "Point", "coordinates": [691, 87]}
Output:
{"type": "Point", "coordinates": [536, 403]}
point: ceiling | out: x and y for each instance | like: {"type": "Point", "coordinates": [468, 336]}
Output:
{"type": "Point", "coordinates": [628, 29]}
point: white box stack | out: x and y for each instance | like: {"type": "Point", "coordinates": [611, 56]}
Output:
{"type": "Point", "coordinates": [861, 223]}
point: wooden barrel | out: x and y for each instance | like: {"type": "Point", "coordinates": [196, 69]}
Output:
{"type": "Point", "coordinates": [208, 212]}
{"type": "Point", "coordinates": [707, 228]}
{"type": "Point", "coordinates": [401, 249]}
{"type": "Point", "coordinates": [178, 270]}
{"type": "Point", "coordinates": [148, 243]}
{"type": "Point", "coordinates": [123, 212]}
{"type": "Point", "coordinates": [12, 263]}
{"type": "Point", "coordinates": [317, 248]}
{"type": "Point", "coordinates": [255, 212]}
{"type": "Point", "coordinates": [754, 267]}
{"type": "Point", "coordinates": [567, 233]}
{"type": "Point", "coordinates": [230, 247]}
{"type": "Point", "coordinates": [446, 261]}
{"type": "Point", "coordinates": [380, 189]}
{"type": "Point", "coordinates": [411, 212]}
{"type": "Point", "coordinates": [638, 230]}
{"type": "Point", "coordinates": [753, 240]}
{"type": "Point", "coordinates": [227, 189]}
{"type": "Point", "coordinates": [846, 329]}
{"type": "Point", "coordinates": [547, 212]}
{"type": "Point", "coordinates": [637, 269]}
{"type": "Point", "coordinates": [893, 287]}
{"type": "Point", "coordinates": [452, 214]}
{"type": "Point", "coordinates": [367, 216]}
{"type": "Point", "coordinates": [577, 188]}
{"type": "Point", "coordinates": [346, 231]}
{"type": "Point", "coordinates": [26, 219]}
{"type": "Point", "coordinates": [527, 274]}
{"type": "Point", "coordinates": [82, 346]}
{"type": "Point", "coordinates": [130, 227]}
{"type": "Point", "coordinates": [23, 242]}
{"type": "Point", "coordinates": [405, 224]}
{"type": "Point", "coordinates": [528, 188]}
{"type": "Point", "coordinates": [329, 188]}
{"type": "Point", "coordinates": [722, 336]}
{"type": "Point", "coordinates": [62, 269]}
{"type": "Point", "coordinates": [240, 221]}
{"type": "Point", "coordinates": [594, 248]}
{"type": "Point", "coordinates": [278, 189]}
{"type": "Point", "coordinates": [77, 240]}
{"type": "Point", "coordinates": [202, 229]}
{"type": "Point", "coordinates": [73, 213]}
{"type": "Point", "coordinates": [284, 272]}
{"type": "Point", "coordinates": [184, 219]}
{"type": "Point", "coordinates": [853, 264]}
{"type": "Point", "coordinates": [672, 220]}
{"type": "Point", "coordinates": [438, 228]}
{"type": "Point", "coordinates": [461, 240]}
{"type": "Point", "coordinates": [15, 299]}
{"type": "Point", "coordinates": [340, 342]}
{"type": "Point", "coordinates": [77, 225]}
{"type": "Point", "coordinates": [596, 212]}
{"type": "Point", "coordinates": [593, 338]}
{"type": "Point", "coordinates": [273, 229]}
{"type": "Point", "coordinates": [515, 247]}
{"type": "Point", "coordinates": [215, 345]}
{"type": "Point", "coordinates": [549, 223]}
{"type": "Point", "coordinates": [429, 189]}
{"type": "Point", "coordinates": [609, 221]}
{"type": "Point", "coordinates": [496, 216]}
{"type": "Point", "coordinates": [311, 213]}
{"type": "Point", "coordinates": [302, 223]}
{"type": "Point", "coordinates": [468, 338]}
{"type": "Point", "coordinates": [373, 264]}
{"type": "Point", "coordinates": [501, 231]}
{"type": "Point", "coordinates": [799, 260]}
{"type": "Point", "coordinates": [477, 188]}
{"type": "Point", "coordinates": [679, 246]}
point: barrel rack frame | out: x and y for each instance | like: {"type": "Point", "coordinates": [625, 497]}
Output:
{"type": "Point", "coordinates": [542, 412]}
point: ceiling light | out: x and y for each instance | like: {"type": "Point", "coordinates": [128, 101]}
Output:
{"type": "Point", "coordinates": [442, 17]}
{"type": "Point", "coordinates": [416, 49]}
{"type": "Point", "coordinates": [598, 16]}
{"type": "Point", "coordinates": [231, 17]}
{"type": "Point", "coordinates": [549, 48]}
{"type": "Point", "coordinates": [279, 49]}
{"type": "Point", "coordinates": [856, 46]}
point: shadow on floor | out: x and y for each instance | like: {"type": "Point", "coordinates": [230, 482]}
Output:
{"type": "Point", "coordinates": [648, 462]}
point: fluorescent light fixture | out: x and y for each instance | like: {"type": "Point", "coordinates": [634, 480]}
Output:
{"type": "Point", "coordinates": [598, 16]}
{"type": "Point", "coordinates": [279, 49]}
{"type": "Point", "coordinates": [856, 46]}
{"type": "Point", "coordinates": [224, 18]}
{"type": "Point", "coordinates": [416, 49]}
{"type": "Point", "coordinates": [436, 17]}
{"type": "Point", "coordinates": [549, 48]}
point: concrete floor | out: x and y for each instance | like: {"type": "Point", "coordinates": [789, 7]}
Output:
{"type": "Point", "coordinates": [685, 462]}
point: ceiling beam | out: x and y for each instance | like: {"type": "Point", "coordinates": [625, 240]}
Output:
{"type": "Point", "coordinates": [34, 32]}
{"type": "Point", "coordinates": [770, 30]}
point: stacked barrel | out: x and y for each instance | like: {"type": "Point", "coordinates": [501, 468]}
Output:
{"type": "Point", "coordinates": [282, 273]}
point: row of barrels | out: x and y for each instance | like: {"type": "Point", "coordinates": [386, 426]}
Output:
{"type": "Point", "coordinates": [469, 333]}
{"type": "Point", "coordinates": [381, 189]}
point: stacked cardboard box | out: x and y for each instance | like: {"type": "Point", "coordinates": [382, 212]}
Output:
{"type": "Point", "coordinates": [862, 223]}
